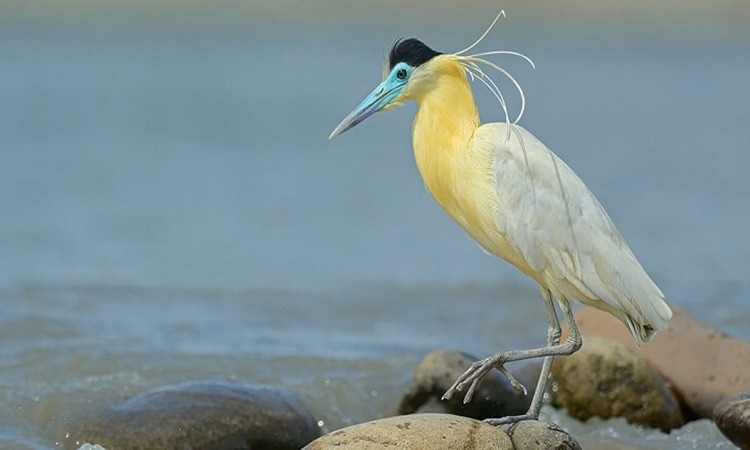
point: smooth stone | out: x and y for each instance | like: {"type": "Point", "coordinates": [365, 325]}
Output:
{"type": "Point", "coordinates": [417, 432]}
{"type": "Point", "coordinates": [199, 416]}
{"type": "Point", "coordinates": [495, 397]}
{"type": "Point", "coordinates": [606, 379]}
{"type": "Point", "coordinates": [535, 435]}
{"type": "Point", "coordinates": [703, 365]}
{"type": "Point", "coordinates": [445, 432]}
{"type": "Point", "coordinates": [732, 416]}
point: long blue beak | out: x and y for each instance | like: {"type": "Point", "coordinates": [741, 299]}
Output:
{"type": "Point", "coordinates": [382, 96]}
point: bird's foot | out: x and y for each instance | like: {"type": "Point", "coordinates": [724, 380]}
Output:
{"type": "Point", "coordinates": [510, 420]}
{"type": "Point", "coordinates": [477, 371]}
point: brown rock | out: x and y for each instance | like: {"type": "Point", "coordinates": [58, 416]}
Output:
{"type": "Point", "coordinates": [445, 432]}
{"type": "Point", "coordinates": [703, 365]}
{"type": "Point", "coordinates": [417, 432]}
{"type": "Point", "coordinates": [605, 379]}
{"type": "Point", "coordinates": [495, 397]}
{"type": "Point", "coordinates": [732, 416]}
{"type": "Point", "coordinates": [200, 416]}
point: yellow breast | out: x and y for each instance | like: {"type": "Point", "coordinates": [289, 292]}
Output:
{"type": "Point", "coordinates": [458, 174]}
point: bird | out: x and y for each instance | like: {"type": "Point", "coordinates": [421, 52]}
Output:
{"type": "Point", "coordinates": [517, 199]}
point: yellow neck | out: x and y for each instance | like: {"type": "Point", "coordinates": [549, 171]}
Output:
{"type": "Point", "coordinates": [442, 130]}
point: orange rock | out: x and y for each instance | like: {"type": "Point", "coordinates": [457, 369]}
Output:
{"type": "Point", "coordinates": [703, 365]}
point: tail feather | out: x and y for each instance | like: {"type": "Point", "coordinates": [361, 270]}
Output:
{"type": "Point", "coordinates": [654, 320]}
{"type": "Point", "coordinates": [641, 333]}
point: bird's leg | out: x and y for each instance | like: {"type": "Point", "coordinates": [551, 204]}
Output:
{"type": "Point", "coordinates": [553, 338]}
{"type": "Point", "coordinates": [572, 344]}
{"type": "Point", "coordinates": [479, 369]}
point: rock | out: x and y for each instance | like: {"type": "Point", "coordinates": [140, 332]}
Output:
{"type": "Point", "coordinates": [732, 416]}
{"type": "Point", "coordinates": [417, 432]}
{"type": "Point", "coordinates": [444, 432]}
{"type": "Point", "coordinates": [200, 416]}
{"type": "Point", "coordinates": [605, 379]}
{"type": "Point", "coordinates": [703, 365]}
{"type": "Point", "coordinates": [495, 397]}
{"type": "Point", "coordinates": [534, 435]}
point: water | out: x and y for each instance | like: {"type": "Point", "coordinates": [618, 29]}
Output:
{"type": "Point", "coordinates": [172, 209]}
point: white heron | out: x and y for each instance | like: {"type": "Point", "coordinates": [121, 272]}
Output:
{"type": "Point", "coordinates": [517, 199]}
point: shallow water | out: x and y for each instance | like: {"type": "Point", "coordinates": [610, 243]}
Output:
{"type": "Point", "coordinates": [173, 210]}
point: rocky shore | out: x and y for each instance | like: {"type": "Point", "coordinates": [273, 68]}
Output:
{"type": "Point", "coordinates": [688, 372]}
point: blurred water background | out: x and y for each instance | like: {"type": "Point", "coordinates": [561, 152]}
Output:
{"type": "Point", "coordinates": [172, 209]}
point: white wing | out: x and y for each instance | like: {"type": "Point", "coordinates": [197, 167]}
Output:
{"type": "Point", "coordinates": [557, 225]}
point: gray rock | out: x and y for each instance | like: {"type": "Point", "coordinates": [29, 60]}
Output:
{"type": "Point", "coordinates": [732, 416]}
{"type": "Point", "coordinates": [199, 416]}
{"type": "Point", "coordinates": [606, 379]}
{"type": "Point", "coordinates": [495, 397]}
{"type": "Point", "coordinates": [417, 432]}
{"type": "Point", "coordinates": [535, 435]}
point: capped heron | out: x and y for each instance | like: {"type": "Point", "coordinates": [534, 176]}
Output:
{"type": "Point", "coordinates": [517, 199]}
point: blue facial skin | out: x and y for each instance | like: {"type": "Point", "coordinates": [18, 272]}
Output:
{"type": "Point", "coordinates": [379, 98]}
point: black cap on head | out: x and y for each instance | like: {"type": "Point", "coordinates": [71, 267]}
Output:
{"type": "Point", "coordinates": [411, 51]}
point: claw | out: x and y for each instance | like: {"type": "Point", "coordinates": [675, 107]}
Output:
{"type": "Point", "coordinates": [476, 372]}
{"type": "Point", "coordinates": [470, 393]}
{"type": "Point", "coordinates": [449, 393]}
{"type": "Point", "coordinates": [517, 385]}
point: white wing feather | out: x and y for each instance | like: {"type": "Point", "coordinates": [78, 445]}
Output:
{"type": "Point", "coordinates": [560, 229]}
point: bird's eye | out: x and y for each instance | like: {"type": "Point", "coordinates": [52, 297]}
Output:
{"type": "Point", "coordinates": [401, 74]}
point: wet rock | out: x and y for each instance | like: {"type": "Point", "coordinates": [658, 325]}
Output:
{"type": "Point", "coordinates": [703, 365]}
{"type": "Point", "coordinates": [605, 379]}
{"type": "Point", "coordinates": [417, 432]}
{"type": "Point", "coordinates": [534, 435]}
{"type": "Point", "coordinates": [495, 397]}
{"type": "Point", "coordinates": [732, 416]}
{"type": "Point", "coordinates": [199, 416]}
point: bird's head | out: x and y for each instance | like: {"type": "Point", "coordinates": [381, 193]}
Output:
{"type": "Point", "coordinates": [405, 73]}
{"type": "Point", "coordinates": [413, 69]}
